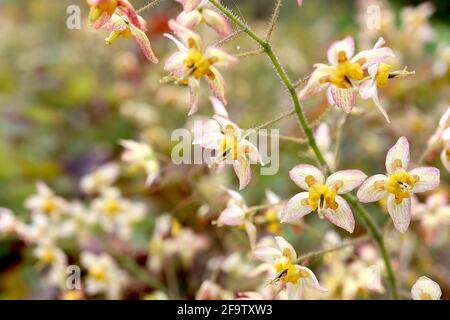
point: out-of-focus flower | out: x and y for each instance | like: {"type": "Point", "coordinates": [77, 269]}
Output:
{"type": "Point", "coordinates": [53, 262]}
{"type": "Point", "coordinates": [322, 196]}
{"type": "Point", "coordinates": [8, 222]}
{"type": "Point", "coordinates": [230, 145]}
{"type": "Point", "coordinates": [104, 276]}
{"type": "Point", "coordinates": [45, 202]}
{"type": "Point", "coordinates": [141, 156]}
{"type": "Point", "coordinates": [203, 12]}
{"type": "Point", "coordinates": [101, 11]}
{"type": "Point", "coordinates": [415, 24]}
{"type": "Point", "coordinates": [323, 140]}
{"type": "Point", "coordinates": [344, 72]}
{"type": "Point", "coordinates": [120, 26]}
{"type": "Point", "coordinates": [117, 214]}
{"type": "Point", "coordinates": [193, 62]}
{"type": "Point", "coordinates": [442, 61]}
{"type": "Point", "coordinates": [100, 178]}
{"type": "Point", "coordinates": [157, 295]}
{"type": "Point", "coordinates": [210, 290]}
{"type": "Point", "coordinates": [441, 139]}
{"type": "Point", "coordinates": [273, 214]}
{"type": "Point", "coordinates": [237, 214]}
{"type": "Point", "coordinates": [283, 258]}
{"type": "Point", "coordinates": [434, 215]}
{"type": "Point", "coordinates": [299, 2]}
{"type": "Point", "coordinates": [399, 184]}
{"type": "Point", "coordinates": [426, 289]}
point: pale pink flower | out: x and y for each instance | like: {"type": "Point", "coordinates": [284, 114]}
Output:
{"type": "Point", "coordinates": [399, 184]}
{"type": "Point", "coordinates": [322, 195]}
{"type": "Point", "coordinates": [200, 12]}
{"type": "Point", "coordinates": [120, 26]}
{"type": "Point", "coordinates": [101, 11]}
{"type": "Point", "coordinates": [441, 139]}
{"type": "Point", "coordinates": [210, 290]}
{"type": "Point", "coordinates": [426, 289]}
{"type": "Point", "coordinates": [8, 222]}
{"type": "Point", "coordinates": [343, 73]}
{"type": "Point", "coordinates": [231, 147]}
{"type": "Point", "coordinates": [140, 156]}
{"type": "Point", "coordinates": [283, 258]}
{"type": "Point", "coordinates": [299, 2]}
{"type": "Point", "coordinates": [193, 62]}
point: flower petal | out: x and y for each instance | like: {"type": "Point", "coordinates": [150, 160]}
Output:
{"type": "Point", "coordinates": [343, 98]}
{"type": "Point", "coordinates": [400, 151]}
{"type": "Point", "coordinates": [347, 45]}
{"type": "Point", "coordinates": [314, 84]}
{"type": "Point", "coordinates": [217, 85]}
{"type": "Point", "coordinates": [267, 254]}
{"type": "Point", "coordinates": [426, 289]}
{"type": "Point", "coordinates": [294, 210]}
{"type": "Point", "coordinates": [445, 157]}
{"type": "Point", "coordinates": [144, 43]}
{"type": "Point", "coordinates": [299, 173]}
{"type": "Point", "coordinates": [295, 291]}
{"type": "Point", "coordinates": [189, 5]}
{"type": "Point", "coordinates": [286, 248]}
{"type": "Point", "coordinates": [428, 178]}
{"type": "Point", "coordinates": [218, 107]}
{"type": "Point", "coordinates": [217, 21]}
{"type": "Point", "coordinates": [350, 179]}
{"type": "Point", "coordinates": [368, 192]}
{"type": "Point", "coordinates": [311, 281]}
{"type": "Point", "coordinates": [243, 171]}
{"type": "Point", "coordinates": [194, 90]}
{"type": "Point", "coordinates": [400, 213]}
{"type": "Point", "coordinates": [342, 216]}
{"type": "Point", "coordinates": [189, 19]}
{"type": "Point", "coordinates": [250, 228]}
{"type": "Point", "coordinates": [232, 216]}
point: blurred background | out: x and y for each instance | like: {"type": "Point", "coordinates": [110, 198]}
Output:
{"type": "Point", "coordinates": [66, 99]}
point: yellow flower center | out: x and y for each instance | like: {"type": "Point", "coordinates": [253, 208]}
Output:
{"type": "Point", "coordinates": [273, 225]}
{"type": "Point", "coordinates": [425, 296]}
{"type": "Point", "coordinates": [288, 271]}
{"type": "Point", "coordinates": [48, 206]}
{"type": "Point", "coordinates": [111, 207]}
{"type": "Point", "coordinates": [228, 147]}
{"type": "Point", "coordinates": [383, 74]}
{"type": "Point", "coordinates": [97, 10]}
{"type": "Point", "coordinates": [400, 184]}
{"type": "Point", "coordinates": [345, 72]}
{"type": "Point", "coordinates": [197, 65]}
{"type": "Point", "coordinates": [48, 257]}
{"type": "Point", "coordinates": [98, 273]}
{"type": "Point", "coordinates": [322, 196]}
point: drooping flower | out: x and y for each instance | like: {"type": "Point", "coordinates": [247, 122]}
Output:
{"type": "Point", "coordinates": [120, 25]}
{"type": "Point", "coordinates": [141, 156]}
{"type": "Point", "coordinates": [284, 260]}
{"type": "Point", "coordinates": [231, 147]}
{"type": "Point", "coordinates": [322, 196]}
{"type": "Point", "coordinates": [101, 11]}
{"type": "Point", "coordinates": [399, 184]}
{"type": "Point", "coordinates": [344, 72]}
{"type": "Point", "coordinates": [202, 11]}
{"type": "Point", "coordinates": [193, 62]}
{"type": "Point", "coordinates": [441, 139]}
{"type": "Point", "coordinates": [426, 289]}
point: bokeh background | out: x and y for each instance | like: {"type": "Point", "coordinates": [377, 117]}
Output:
{"type": "Point", "coordinates": [66, 99]}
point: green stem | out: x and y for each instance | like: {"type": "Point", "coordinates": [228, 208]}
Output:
{"type": "Point", "coordinates": [370, 224]}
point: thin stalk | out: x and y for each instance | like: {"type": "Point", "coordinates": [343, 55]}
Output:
{"type": "Point", "coordinates": [148, 6]}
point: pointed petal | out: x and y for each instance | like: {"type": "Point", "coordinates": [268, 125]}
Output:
{"type": "Point", "coordinates": [250, 228]}
{"type": "Point", "coordinates": [347, 45]}
{"type": "Point", "coordinates": [323, 137]}
{"type": "Point", "coordinates": [225, 123]}
{"type": "Point", "coordinates": [311, 281]}
{"type": "Point", "coordinates": [350, 179]}
{"type": "Point", "coordinates": [373, 56]}
{"type": "Point", "coordinates": [243, 171]}
{"type": "Point", "coordinates": [144, 43]}
{"type": "Point", "coordinates": [286, 248]}
{"type": "Point", "coordinates": [232, 216]}
{"type": "Point", "coordinates": [400, 151]}
{"type": "Point", "coordinates": [343, 98]}
{"type": "Point", "coordinates": [342, 216]}
{"type": "Point", "coordinates": [314, 85]}
{"type": "Point", "coordinates": [217, 21]}
{"type": "Point", "coordinates": [218, 106]}
{"type": "Point", "coordinates": [267, 254]}
{"type": "Point", "coordinates": [299, 173]}
{"type": "Point", "coordinates": [400, 213]}
{"type": "Point", "coordinates": [217, 85]}
{"type": "Point", "coordinates": [194, 90]}
{"type": "Point", "coordinates": [294, 210]}
{"type": "Point", "coordinates": [175, 64]}
{"type": "Point", "coordinates": [184, 34]}
{"type": "Point", "coordinates": [428, 179]}
{"type": "Point", "coordinates": [368, 192]}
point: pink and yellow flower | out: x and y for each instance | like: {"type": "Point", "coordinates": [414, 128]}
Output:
{"type": "Point", "coordinates": [101, 11]}
{"type": "Point", "coordinates": [322, 195]}
{"type": "Point", "coordinates": [399, 184]}
{"type": "Point", "coordinates": [193, 62]}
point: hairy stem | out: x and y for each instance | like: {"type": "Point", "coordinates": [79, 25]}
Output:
{"type": "Point", "coordinates": [370, 224]}
{"type": "Point", "coordinates": [148, 6]}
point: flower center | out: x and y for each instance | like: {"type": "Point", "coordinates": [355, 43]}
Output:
{"type": "Point", "coordinates": [383, 74]}
{"type": "Point", "coordinates": [287, 271]}
{"type": "Point", "coordinates": [322, 196]}
{"type": "Point", "coordinates": [197, 65]}
{"type": "Point", "coordinates": [345, 72]}
{"type": "Point", "coordinates": [400, 184]}
{"type": "Point", "coordinates": [111, 207]}
{"type": "Point", "coordinates": [48, 257]}
{"type": "Point", "coordinates": [49, 206]}
{"type": "Point", "coordinates": [425, 296]}
{"type": "Point", "coordinates": [228, 147]}
{"type": "Point", "coordinates": [98, 273]}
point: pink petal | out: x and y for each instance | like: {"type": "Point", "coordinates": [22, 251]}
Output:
{"type": "Point", "coordinates": [286, 248]}
{"type": "Point", "coordinates": [250, 228]}
{"type": "Point", "coordinates": [219, 108]}
{"type": "Point", "coordinates": [144, 43]}
{"type": "Point", "coordinates": [400, 213]}
{"type": "Point", "coordinates": [194, 90]}
{"type": "Point", "coordinates": [314, 86]}
{"type": "Point", "coordinates": [293, 211]}
{"type": "Point", "coordinates": [351, 179]}
{"type": "Point", "coordinates": [217, 22]}
{"type": "Point", "coordinates": [299, 2]}
{"type": "Point", "coordinates": [189, 5]}
{"type": "Point", "coordinates": [243, 171]}
{"type": "Point", "coordinates": [217, 86]}
{"type": "Point", "coordinates": [428, 179]}
{"type": "Point", "coordinates": [347, 45]}
{"type": "Point", "coordinates": [267, 254]}
{"type": "Point", "coordinates": [342, 216]}
{"type": "Point", "coordinates": [175, 64]}
{"type": "Point", "coordinates": [189, 19]}
{"type": "Point", "coordinates": [128, 9]}
{"type": "Point", "coordinates": [184, 34]}
{"type": "Point", "coordinates": [343, 98]}
{"type": "Point", "coordinates": [232, 216]}
{"type": "Point", "coordinates": [299, 173]}
{"type": "Point", "coordinates": [400, 151]}
{"type": "Point", "coordinates": [312, 281]}
{"type": "Point", "coordinates": [368, 193]}
{"type": "Point", "coordinates": [373, 56]}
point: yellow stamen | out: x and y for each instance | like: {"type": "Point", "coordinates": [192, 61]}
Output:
{"type": "Point", "coordinates": [383, 74]}
{"type": "Point", "coordinates": [197, 65]}
{"type": "Point", "coordinates": [400, 184]}
{"type": "Point", "coordinates": [345, 72]}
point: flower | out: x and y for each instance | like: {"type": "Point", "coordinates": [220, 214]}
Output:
{"type": "Point", "coordinates": [322, 196]}
{"type": "Point", "coordinates": [104, 276]}
{"type": "Point", "coordinates": [399, 184]}
{"type": "Point", "coordinates": [210, 290]}
{"type": "Point", "coordinates": [323, 140]}
{"type": "Point", "coordinates": [283, 258]}
{"type": "Point", "coordinates": [201, 11]}
{"type": "Point", "coordinates": [101, 11]}
{"type": "Point", "coordinates": [344, 72]}
{"type": "Point", "coordinates": [120, 25]}
{"type": "Point", "coordinates": [193, 62]}
{"type": "Point", "coordinates": [230, 145]}
{"type": "Point", "coordinates": [441, 139]}
{"type": "Point", "coordinates": [100, 178]}
{"type": "Point", "coordinates": [8, 222]}
{"type": "Point", "coordinates": [45, 202]}
{"type": "Point", "coordinates": [141, 156]}
{"type": "Point", "coordinates": [426, 289]}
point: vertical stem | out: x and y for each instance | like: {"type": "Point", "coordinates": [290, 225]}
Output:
{"type": "Point", "coordinates": [370, 224]}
